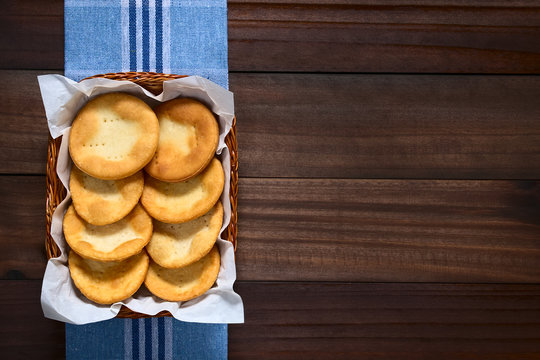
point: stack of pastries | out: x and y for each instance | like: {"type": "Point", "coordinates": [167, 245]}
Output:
{"type": "Point", "coordinates": [146, 203]}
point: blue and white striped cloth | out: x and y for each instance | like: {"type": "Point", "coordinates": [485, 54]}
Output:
{"type": "Point", "coordinates": [170, 36]}
{"type": "Point", "coordinates": [155, 338]}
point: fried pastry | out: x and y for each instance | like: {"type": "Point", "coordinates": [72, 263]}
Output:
{"type": "Point", "coordinates": [184, 283]}
{"type": "Point", "coordinates": [108, 282]}
{"type": "Point", "coordinates": [113, 136]}
{"type": "Point", "coordinates": [177, 245]}
{"type": "Point", "coordinates": [102, 202]}
{"type": "Point", "coordinates": [183, 201]}
{"type": "Point", "coordinates": [113, 242]}
{"type": "Point", "coordinates": [188, 138]}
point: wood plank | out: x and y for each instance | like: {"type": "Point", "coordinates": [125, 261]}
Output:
{"type": "Point", "coordinates": [387, 321]}
{"type": "Point", "coordinates": [32, 34]}
{"type": "Point", "coordinates": [382, 126]}
{"type": "Point", "coordinates": [342, 230]}
{"type": "Point", "coordinates": [333, 321]}
{"type": "Point", "coordinates": [22, 229]}
{"type": "Point", "coordinates": [323, 35]}
{"type": "Point", "coordinates": [23, 125]}
{"type": "Point", "coordinates": [24, 332]}
{"type": "Point", "coordinates": [490, 3]}
{"type": "Point", "coordinates": [375, 126]}
{"type": "Point", "coordinates": [368, 37]}
{"type": "Point", "coordinates": [389, 230]}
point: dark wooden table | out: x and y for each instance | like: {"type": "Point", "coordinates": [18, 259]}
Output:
{"type": "Point", "coordinates": [389, 195]}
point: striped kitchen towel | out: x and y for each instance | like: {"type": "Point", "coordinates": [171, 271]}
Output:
{"type": "Point", "coordinates": [187, 37]}
{"type": "Point", "coordinates": [170, 36]}
{"type": "Point", "coordinates": [155, 338]}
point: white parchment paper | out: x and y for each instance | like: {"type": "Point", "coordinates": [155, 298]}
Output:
{"type": "Point", "coordinates": [60, 299]}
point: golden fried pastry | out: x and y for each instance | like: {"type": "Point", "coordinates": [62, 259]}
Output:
{"type": "Point", "coordinates": [188, 138]}
{"type": "Point", "coordinates": [113, 136]}
{"type": "Point", "coordinates": [102, 202]}
{"type": "Point", "coordinates": [108, 282]}
{"type": "Point", "coordinates": [184, 283]}
{"type": "Point", "coordinates": [113, 242]}
{"type": "Point", "coordinates": [183, 201]}
{"type": "Point", "coordinates": [177, 245]}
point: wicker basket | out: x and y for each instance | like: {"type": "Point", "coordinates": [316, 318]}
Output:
{"type": "Point", "coordinates": [153, 82]}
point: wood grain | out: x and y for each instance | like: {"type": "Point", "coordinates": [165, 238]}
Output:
{"type": "Point", "coordinates": [387, 321]}
{"type": "Point", "coordinates": [32, 34]}
{"type": "Point", "coordinates": [333, 321]}
{"type": "Point", "coordinates": [389, 230]}
{"type": "Point", "coordinates": [323, 35]}
{"type": "Point", "coordinates": [24, 332]}
{"type": "Point", "coordinates": [342, 230]}
{"type": "Point", "coordinates": [23, 125]}
{"type": "Point", "coordinates": [22, 227]}
{"type": "Point", "coordinates": [375, 126]}
{"type": "Point", "coordinates": [382, 126]}
{"type": "Point", "coordinates": [408, 36]}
